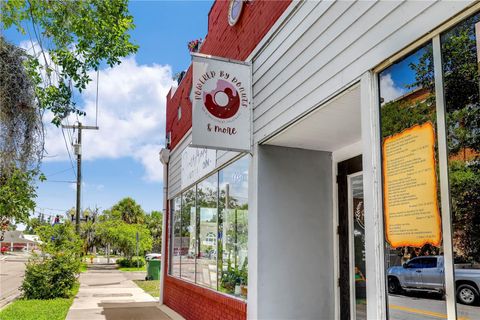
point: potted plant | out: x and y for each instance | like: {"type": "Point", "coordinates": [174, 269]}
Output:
{"type": "Point", "coordinates": [244, 279]}
{"type": "Point", "coordinates": [194, 45]}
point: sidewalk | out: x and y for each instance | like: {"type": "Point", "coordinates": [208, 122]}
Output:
{"type": "Point", "coordinates": [107, 294]}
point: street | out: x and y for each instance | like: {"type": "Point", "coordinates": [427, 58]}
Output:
{"type": "Point", "coordinates": [424, 307]}
{"type": "Point", "coordinates": [12, 268]}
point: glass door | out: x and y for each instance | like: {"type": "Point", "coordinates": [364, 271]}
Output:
{"type": "Point", "coordinates": [351, 238]}
{"type": "Point", "coordinates": [356, 220]}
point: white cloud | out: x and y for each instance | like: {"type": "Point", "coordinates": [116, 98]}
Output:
{"type": "Point", "coordinates": [131, 116]}
{"type": "Point", "coordinates": [388, 89]}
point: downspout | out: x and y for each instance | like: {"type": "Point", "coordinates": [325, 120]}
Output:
{"type": "Point", "coordinates": [164, 158]}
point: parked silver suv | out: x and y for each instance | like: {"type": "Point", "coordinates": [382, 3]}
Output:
{"type": "Point", "coordinates": [427, 274]}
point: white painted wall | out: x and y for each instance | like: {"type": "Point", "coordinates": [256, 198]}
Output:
{"type": "Point", "coordinates": [290, 235]}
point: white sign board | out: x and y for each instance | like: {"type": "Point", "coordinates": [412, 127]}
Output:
{"type": "Point", "coordinates": [196, 163]}
{"type": "Point", "coordinates": [221, 103]}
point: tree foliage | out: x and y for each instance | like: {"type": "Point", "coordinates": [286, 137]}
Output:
{"type": "Point", "coordinates": [128, 210]}
{"type": "Point", "coordinates": [21, 131]}
{"type": "Point", "coordinates": [153, 222]}
{"type": "Point", "coordinates": [78, 36]}
{"type": "Point", "coordinates": [122, 236]}
{"type": "Point", "coordinates": [69, 40]}
{"type": "Point", "coordinates": [17, 194]}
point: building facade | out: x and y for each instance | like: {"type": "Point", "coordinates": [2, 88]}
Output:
{"type": "Point", "coordinates": [360, 197]}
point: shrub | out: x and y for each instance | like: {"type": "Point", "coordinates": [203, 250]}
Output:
{"type": "Point", "coordinates": [53, 275]}
{"type": "Point", "coordinates": [131, 263]}
{"type": "Point", "coordinates": [50, 277]}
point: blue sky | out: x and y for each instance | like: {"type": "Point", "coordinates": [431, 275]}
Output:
{"type": "Point", "coordinates": [121, 159]}
{"type": "Point", "coordinates": [396, 79]}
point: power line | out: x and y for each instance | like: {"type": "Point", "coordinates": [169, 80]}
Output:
{"type": "Point", "coordinates": [58, 172]}
{"type": "Point", "coordinates": [60, 181]}
{"type": "Point", "coordinates": [53, 209]}
{"type": "Point", "coordinates": [68, 151]}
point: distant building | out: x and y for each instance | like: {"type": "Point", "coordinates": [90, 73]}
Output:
{"type": "Point", "coordinates": [17, 241]}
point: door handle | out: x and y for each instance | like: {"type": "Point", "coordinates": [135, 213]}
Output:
{"type": "Point", "coordinates": [418, 271]}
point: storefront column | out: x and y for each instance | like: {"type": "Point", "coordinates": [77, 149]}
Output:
{"type": "Point", "coordinates": [252, 300]}
{"type": "Point", "coordinates": [374, 239]}
{"type": "Point", "coordinates": [290, 235]}
{"type": "Point", "coordinates": [448, 263]}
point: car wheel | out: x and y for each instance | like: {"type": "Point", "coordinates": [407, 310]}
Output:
{"type": "Point", "coordinates": [467, 294]}
{"type": "Point", "coordinates": [394, 285]}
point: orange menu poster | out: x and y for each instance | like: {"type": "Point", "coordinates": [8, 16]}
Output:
{"type": "Point", "coordinates": [412, 217]}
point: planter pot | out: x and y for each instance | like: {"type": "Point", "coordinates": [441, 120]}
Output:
{"type": "Point", "coordinates": [237, 289]}
{"type": "Point", "coordinates": [243, 290]}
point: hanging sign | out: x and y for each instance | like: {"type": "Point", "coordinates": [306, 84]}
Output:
{"type": "Point", "coordinates": [196, 163]}
{"type": "Point", "coordinates": [221, 103]}
{"type": "Point", "coordinates": [412, 217]}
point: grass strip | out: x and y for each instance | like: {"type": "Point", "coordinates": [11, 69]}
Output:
{"type": "Point", "coordinates": [53, 309]}
{"type": "Point", "coordinates": [144, 268]}
{"type": "Point", "coordinates": [152, 287]}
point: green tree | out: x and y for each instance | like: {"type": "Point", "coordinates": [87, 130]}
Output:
{"type": "Point", "coordinates": [122, 236]}
{"type": "Point", "coordinates": [78, 36]}
{"type": "Point", "coordinates": [16, 198]}
{"type": "Point", "coordinates": [32, 224]}
{"type": "Point", "coordinates": [128, 210]}
{"type": "Point", "coordinates": [154, 225]}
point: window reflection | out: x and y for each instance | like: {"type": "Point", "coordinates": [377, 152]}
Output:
{"type": "Point", "coordinates": [207, 222]}
{"type": "Point", "coordinates": [177, 238]}
{"type": "Point", "coordinates": [414, 268]}
{"type": "Point", "coordinates": [188, 235]}
{"type": "Point", "coordinates": [462, 104]}
{"type": "Point", "coordinates": [233, 234]}
{"type": "Point", "coordinates": [209, 241]}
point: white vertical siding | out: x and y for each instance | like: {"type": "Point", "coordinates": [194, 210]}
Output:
{"type": "Point", "coordinates": [325, 46]}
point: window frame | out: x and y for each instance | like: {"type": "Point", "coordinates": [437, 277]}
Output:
{"type": "Point", "coordinates": [434, 38]}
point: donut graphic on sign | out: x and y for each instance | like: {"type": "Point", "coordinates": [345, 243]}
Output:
{"type": "Point", "coordinates": [222, 102]}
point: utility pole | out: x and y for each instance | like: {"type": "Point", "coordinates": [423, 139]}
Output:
{"type": "Point", "coordinates": [78, 152]}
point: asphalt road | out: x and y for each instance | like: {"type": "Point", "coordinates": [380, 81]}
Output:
{"type": "Point", "coordinates": [12, 269]}
{"type": "Point", "coordinates": [426, 307]}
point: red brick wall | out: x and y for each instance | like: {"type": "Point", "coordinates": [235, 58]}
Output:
{"type": "Point", "coordinates": [235, 42]}
{"type": "Point", "coordinates": [197, 303]}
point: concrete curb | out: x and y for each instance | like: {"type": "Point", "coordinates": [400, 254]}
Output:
{"type": "Point", "coordinates": [171, 313]}
{"type": "Point", "coordinates": [9, 300]}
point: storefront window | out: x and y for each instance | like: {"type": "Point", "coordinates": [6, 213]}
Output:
{"type": "Point", "coordinates": [210, 231]}
{"type": "Point", "coordinates": [411, 196]}
{"type": "Point", "coordinates": [177, 238]}
{"type": "Point", "coordinates": [462, 105]}
{"type": "Point", "coordinates": [188, 235]}
{"type": "Point", "coordinates": [207, 215]}
{"type": "Point", "coordinates": [234, 228]}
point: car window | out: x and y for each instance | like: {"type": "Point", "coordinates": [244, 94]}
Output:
{"type": "Point", "coordinates": [416, 263]}
{"type": "Point", "coordinates": [429, 262]}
